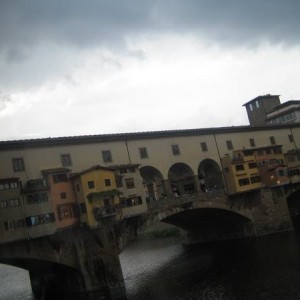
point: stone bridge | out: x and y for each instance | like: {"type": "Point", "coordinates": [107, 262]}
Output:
{"type": "Point", "coordinates": [75, 263]}
{"type": "Point", "coordinates": [214, 216]}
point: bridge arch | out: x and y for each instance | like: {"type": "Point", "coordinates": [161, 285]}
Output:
{"type": "Point", "coordinates": [49, 280]}
{"type": "Point", "coordinates": [210, 175]}
{"type": "Point", "coordinates": [154, 182]}
{"type": "Point", "coordinates": [181, 179]}
{"type": "Point", "coordinates": [205, 224]}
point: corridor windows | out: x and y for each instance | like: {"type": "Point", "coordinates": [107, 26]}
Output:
{"type": "Point", "coordinates": [143, 152]}
{"type": "Point", "coordinates": [229, 145]}
{"type": "Point", "coordinates": [66, 160]}
{"type": "Point", "coordinates": [272, 140]}
{"type": "Point", "coordinates": [204, 147]}
{"type": "Point", "coordinates": [106, 156]}
{"type": "Point", "coordinates": [252, 142]}
{"type": "Point", "coordinates": [18, 164]}
{"type": "Point", "coordinates": [175, 150]}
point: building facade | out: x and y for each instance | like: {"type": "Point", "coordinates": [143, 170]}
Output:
{"type": "Point", "coordinates": [170, 163]}
{"type": "Point", "coordinates": [287, 112]}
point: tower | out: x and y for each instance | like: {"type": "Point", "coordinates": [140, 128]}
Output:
{"type": "Point", "coordinates": [258, 108]}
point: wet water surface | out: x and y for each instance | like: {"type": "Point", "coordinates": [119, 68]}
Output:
{"type": "Point", "coordinates": [260, 268]}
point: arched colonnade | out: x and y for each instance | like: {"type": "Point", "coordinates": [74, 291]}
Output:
{"type": "Point", "coordinates": [180, 179]}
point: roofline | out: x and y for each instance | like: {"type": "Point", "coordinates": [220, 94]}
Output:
{"type": "Point", "coordinates": [102, 138]}
{"type": "Point", "coordinates": [259, 97]}
{"type": "Point", "coordinates": [285, 104]}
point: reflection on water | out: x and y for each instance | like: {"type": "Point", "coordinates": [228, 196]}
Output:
{"type": "Point", "coordinates": [260, 268]}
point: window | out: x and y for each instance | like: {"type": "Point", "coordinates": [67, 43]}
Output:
{"type": "Point", "coordinates": [281, 173]}
{"type": "Point", "coordinates": [277, 151]}
{"type": "Point", "coordinates": [255, 179]}
{"type": "Point", "coordinates": [250, 106]}
{"type": "Point", "coordinates": [107, 182]}
{"type": "Point", "coordinates": [272, 140]}
{"type": "Point", "coordinates": [9, 225]}
{"type": "Point", "coordinates": [260, 152]}
{"type": "Point", "coordinates": [143, 152]}
{"type": "Point", "coordinates": [248, 152]}
{"type": "Point", "coordinates": [37, 198]}
{"type": "Point", "coordinates": [204, 146]}
{"type": "Point", "coordinates": [244, 181]}
{"type": "Point", "coordinates": [119, 182]}
{"type": "Point", "coordinates": [14, 224]}
{"type": "Point", "coordinates": [239, 167]}
{"type": "Point", "coordinates": [129, 183]}
{"type": "Point", "coordinates": [64, 212]}
{"type": "Point", "coordinates": [18, 164]}
{"type": "Point", "coordinates": [66, 160]}
{"type": "Point", "coordinates": [252, 142]}
{"type": "Point", "coordinates": [133, 201]}
{"type": "Point", "coordinates": [8, 185]}
{"type": "Point", "coordinates": [252, 165]}
{"type": "Point", "coordinates": [106, 156]}
{"type": "Point", "coordinates": [3, 204]}
{"type": "Point", "coordinates": [14, 202]}
{"type": "Point", "coordinates": [63, 195]}
{"type": "Point", "coordinates": [175, 150]}
{"type": "Point", "coordinates": [257, 104]}
{"type": "Point", "coordinates": [291, 138]}
{"type": "Point", "coordinates": [91, 184]}
{"type": "Point", "coordinates": [62, 177]}
{"type": "Point", "coordinates": [269, 151]}
{"type": "Point", "coordinates": [40, 219]}
{"type": "Point", "coordinates": [229, 145]}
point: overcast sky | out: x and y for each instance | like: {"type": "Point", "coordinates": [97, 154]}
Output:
{"type": "Point", "coordinates": [94, 66]}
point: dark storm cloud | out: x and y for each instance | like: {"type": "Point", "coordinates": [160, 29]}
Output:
{"type": "Point", "coordinates": [106, 22]}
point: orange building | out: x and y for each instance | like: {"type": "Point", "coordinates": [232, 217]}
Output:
{"type": "Point", "coordinates": [63, 197]}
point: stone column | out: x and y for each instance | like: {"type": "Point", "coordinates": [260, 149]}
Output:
{"type": "Point", "coordinates": [197, 184]}
{"type": "Point", "coordinates": [167, 186]}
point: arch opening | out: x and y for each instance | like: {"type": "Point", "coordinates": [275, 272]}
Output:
{"type": "Point", "coordinates": [154, 183]}
{"type": "Point", "coordinates": [182, 179]}
{"type": "Point", "coordinates": [212, 224]}
{"type": "Point", "coordinates": [210, 176]}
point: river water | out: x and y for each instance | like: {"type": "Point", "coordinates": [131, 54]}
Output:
{"type": "Point", "coordinates": [263, 268]}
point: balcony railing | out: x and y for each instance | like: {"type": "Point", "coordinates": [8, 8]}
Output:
{"type": "Point", "coordinates": [35, 185]}
{"type": "Point", "coordinates": [105, 212]}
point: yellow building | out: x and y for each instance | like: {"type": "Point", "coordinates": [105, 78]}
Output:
{"type": "Point", "coordinates": [254, 168]}
{"type": "Point", "coordinates": [241, 173]}
{"type": "Point", "coordinates": [97, 195]}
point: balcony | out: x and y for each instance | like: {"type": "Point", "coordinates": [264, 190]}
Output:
{"type": "Point", "coordinates": [105, 212]}
{"type": "Point", "coordinates": [35, 185]}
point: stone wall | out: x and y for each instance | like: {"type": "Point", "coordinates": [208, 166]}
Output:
{"type": "Point", "coordinates": [270, 211]}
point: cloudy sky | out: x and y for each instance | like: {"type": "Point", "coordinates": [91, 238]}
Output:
{"type": "Point", "coordinates": [105, 66]}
